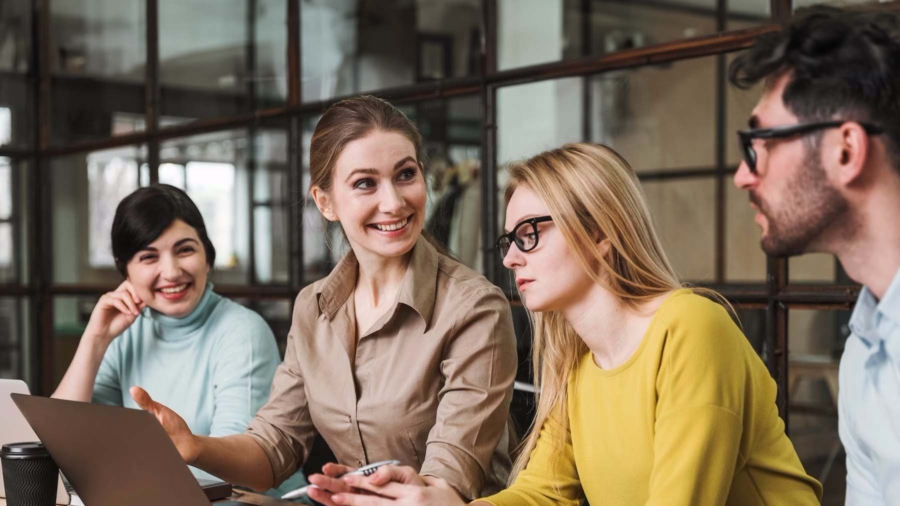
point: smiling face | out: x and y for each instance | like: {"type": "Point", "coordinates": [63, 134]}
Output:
{"type": "Point", "coordinates": [378, 195]}
{"type": "Point", "coordinates": [549, 277]}
{"type": "Point", "coordinates": [170, 273]}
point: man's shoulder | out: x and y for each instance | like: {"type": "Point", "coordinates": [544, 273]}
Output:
{"type": "Point", "coordinates": [853, 362]}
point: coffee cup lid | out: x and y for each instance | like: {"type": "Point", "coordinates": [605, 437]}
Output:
{"type": "Point", "coordinates": [24, 450]}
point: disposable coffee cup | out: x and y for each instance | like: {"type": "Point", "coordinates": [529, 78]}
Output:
{"type": "Point", "coordinates": [30, 476]}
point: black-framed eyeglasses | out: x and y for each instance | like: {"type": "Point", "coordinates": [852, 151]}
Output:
{"type": "Point", "coordinates": [746, 137]}
{"type": "Point", "coordinates": [524, 234]}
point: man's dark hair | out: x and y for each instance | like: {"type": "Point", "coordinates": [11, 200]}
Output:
{"type": "Point", "coordinates": [844, 64]}
{"type": "Point", "coordinates": [145, 214]}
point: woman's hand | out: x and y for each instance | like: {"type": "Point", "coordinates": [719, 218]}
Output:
{"type": "Point", "coordinates": [114, 312]}
{"type": "Point", "coordinates": [329, 483]}
{"type": "Point", "coordinates": [179, 432]}
{"type": "Point", "coordinates": [392, 485]}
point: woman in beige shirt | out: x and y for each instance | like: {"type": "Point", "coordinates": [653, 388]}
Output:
{"type": "Point", "coordinates": [400, 353]}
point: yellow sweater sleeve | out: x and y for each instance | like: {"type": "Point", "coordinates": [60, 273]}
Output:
{"type": "Point", "coordinates": [550, 478]}
{"type": "Point", "coordinates": [701, 384]}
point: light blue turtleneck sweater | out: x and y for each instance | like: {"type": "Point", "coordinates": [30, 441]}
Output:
{"type": "Point", "coordinates": [213, 367]}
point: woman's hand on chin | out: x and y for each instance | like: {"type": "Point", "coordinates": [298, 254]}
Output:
{"type": "Point", "coordinates": [114, 312]}
{"type": "Point", "coordinates": [393, 485]}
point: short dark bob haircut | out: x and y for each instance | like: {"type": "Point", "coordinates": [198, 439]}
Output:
{"type": "Point", "coordinates": [145, 214]}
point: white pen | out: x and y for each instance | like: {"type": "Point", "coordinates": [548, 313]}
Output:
{"type": "Point", "coordinates": [364, 470]}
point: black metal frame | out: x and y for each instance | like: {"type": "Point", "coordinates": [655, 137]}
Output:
{"type": "Point", "coordinates": [776, 295]}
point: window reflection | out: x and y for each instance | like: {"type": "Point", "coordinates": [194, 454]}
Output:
{"type": "Point", "coordinates": [85, 191]}
{"type": "Point", "coordinates": [98, 59]}
{"type": "Point", "coordinates": [222, 57]}
{"type": "Point", "coordinates": [16, 86]}
{"type": "Point", "coordinates": [817, 341]}
{"type": "Point", "coordinates": [112, 175]}
{"type": "Point", "coordinates": [352, 46]}
{"type": "Point", "coordinates": [11, 337]}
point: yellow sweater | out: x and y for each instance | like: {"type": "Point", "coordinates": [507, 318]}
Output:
{"type": "Point", "coordinates": [689, 419]}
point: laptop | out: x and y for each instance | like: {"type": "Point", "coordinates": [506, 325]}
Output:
{"type": "Point", "coordinates": [113, 456]}
{"type": "Point", "coordinates": [15, 429]}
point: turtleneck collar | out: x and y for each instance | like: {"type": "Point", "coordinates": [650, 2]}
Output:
{"type": "Point", "coordinates": [174, 329]}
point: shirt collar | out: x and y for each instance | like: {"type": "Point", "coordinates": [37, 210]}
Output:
{"type": "Point", "coordinates": [418, 289]}
{"type": "Point", "coordinates": [872, 320]}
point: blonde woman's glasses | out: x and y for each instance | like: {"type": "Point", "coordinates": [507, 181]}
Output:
{"type": "Point", "coordinates": [524, 235]}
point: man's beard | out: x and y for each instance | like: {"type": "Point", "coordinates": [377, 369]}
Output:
{"type": "Point", "coordinates": [811, 206]}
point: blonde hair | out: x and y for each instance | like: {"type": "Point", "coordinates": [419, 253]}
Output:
{"type": "Point", "coordinates": [592, 193]}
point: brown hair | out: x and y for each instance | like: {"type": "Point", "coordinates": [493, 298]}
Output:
{"type": "Point", "coordinates": [349, 120]}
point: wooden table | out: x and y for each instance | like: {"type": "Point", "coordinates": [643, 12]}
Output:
{"type": "Point", "coordinates": [260, 500]}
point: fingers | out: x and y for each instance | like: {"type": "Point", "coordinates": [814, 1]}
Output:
{"type": "Point", "coordinates": [129, 288]}
{"type": "Point", "coordinates": [328, 484]}
{"type": "Point", "coordinates": [392, 490]}
{"type": "Point", "coordinates": [361, 500]}
{"type": "Point", "coordinates": [335, 470]}
{"type": "Point", "coordinates": [142, 398]}
{"type": "Point", "coordinates": [321, 496]}
{"type": "Point", "coordinates": [121, 301]}
{"type": "Point", "coordinates": [400, 474]}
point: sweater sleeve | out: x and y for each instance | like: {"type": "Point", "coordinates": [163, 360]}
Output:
{"type": "Point", "coordinates": [701, 385]}
{"type": "Point", "coordinates": [243, 368]}
{"type": "Point", "coordinates": [108, 382]}
{"type": "Point", "coordinates": [550, 478]}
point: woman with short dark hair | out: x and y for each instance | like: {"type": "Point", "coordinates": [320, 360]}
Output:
{"type": "Point", "coordinates": [165, 329]}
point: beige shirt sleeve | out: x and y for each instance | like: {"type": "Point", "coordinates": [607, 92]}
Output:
{"type": "Point", "coordinates": [479, 367]}
{"type": "Point", "coordinates": [283, 427]}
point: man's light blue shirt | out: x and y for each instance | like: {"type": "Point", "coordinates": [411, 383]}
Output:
{"type": "Point", "coordinates": [869, 400]}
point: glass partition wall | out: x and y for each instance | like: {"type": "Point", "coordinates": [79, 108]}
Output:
{"type": "Point", "coordinates": [220, 98]}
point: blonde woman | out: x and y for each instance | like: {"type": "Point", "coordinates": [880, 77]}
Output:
{"type": "Point", "coordinates": [649, 393]}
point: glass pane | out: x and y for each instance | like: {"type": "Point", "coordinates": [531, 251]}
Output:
{"type": "Point", "coordinates": [745, 260]}
{"type": "Point", "coordinates": [748, 13]}
{"type": "Point", "coordinates": [17, 270]}
{"type": "Point", "coordinates": [682, 214]}
{"type": "Point", "coordinates": [216, 175]}
{"type": "Point", "coordinates": [270, 75]}
{"type": "Point", "coordinates": [8, 241]}
{"type": "Point", "coordinates": [12, 337]}
{"type": "Point", "coordinates": [323, 241]}
{"type": "Point", "coordinates": [271, 204]}
{"type": "Point", "coordinates": [216, 178]}
{"type": "Point", "coordinates": [6, 191]}
{"type": "Point", "coordinates": [536, 31]}
{"type": "Point", "coordinates": [559, 106]}
{"type": "Point", "coordinates": [86, 189]}
{"type": "Point", "coordinates": [352, 46]}
{"type": "Point", "coordinates": [816, 342]}
{"type": "Point", "coordinates": [204, 66]}
{"type": "Point", "coordinates": [813, 268]}
{"type": "Point", "coordinates": [451, 130]}
{"type": "Point", "coordinates": [7, 247]}
{"type": "Point", "coordinates": [661, 117]}
{"type": "Point", "coordinates": [98, 59]}
{"type": "Point", "coordinates": [15, 63]}
{"type": "Point", "coordinates": [70, 318]}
